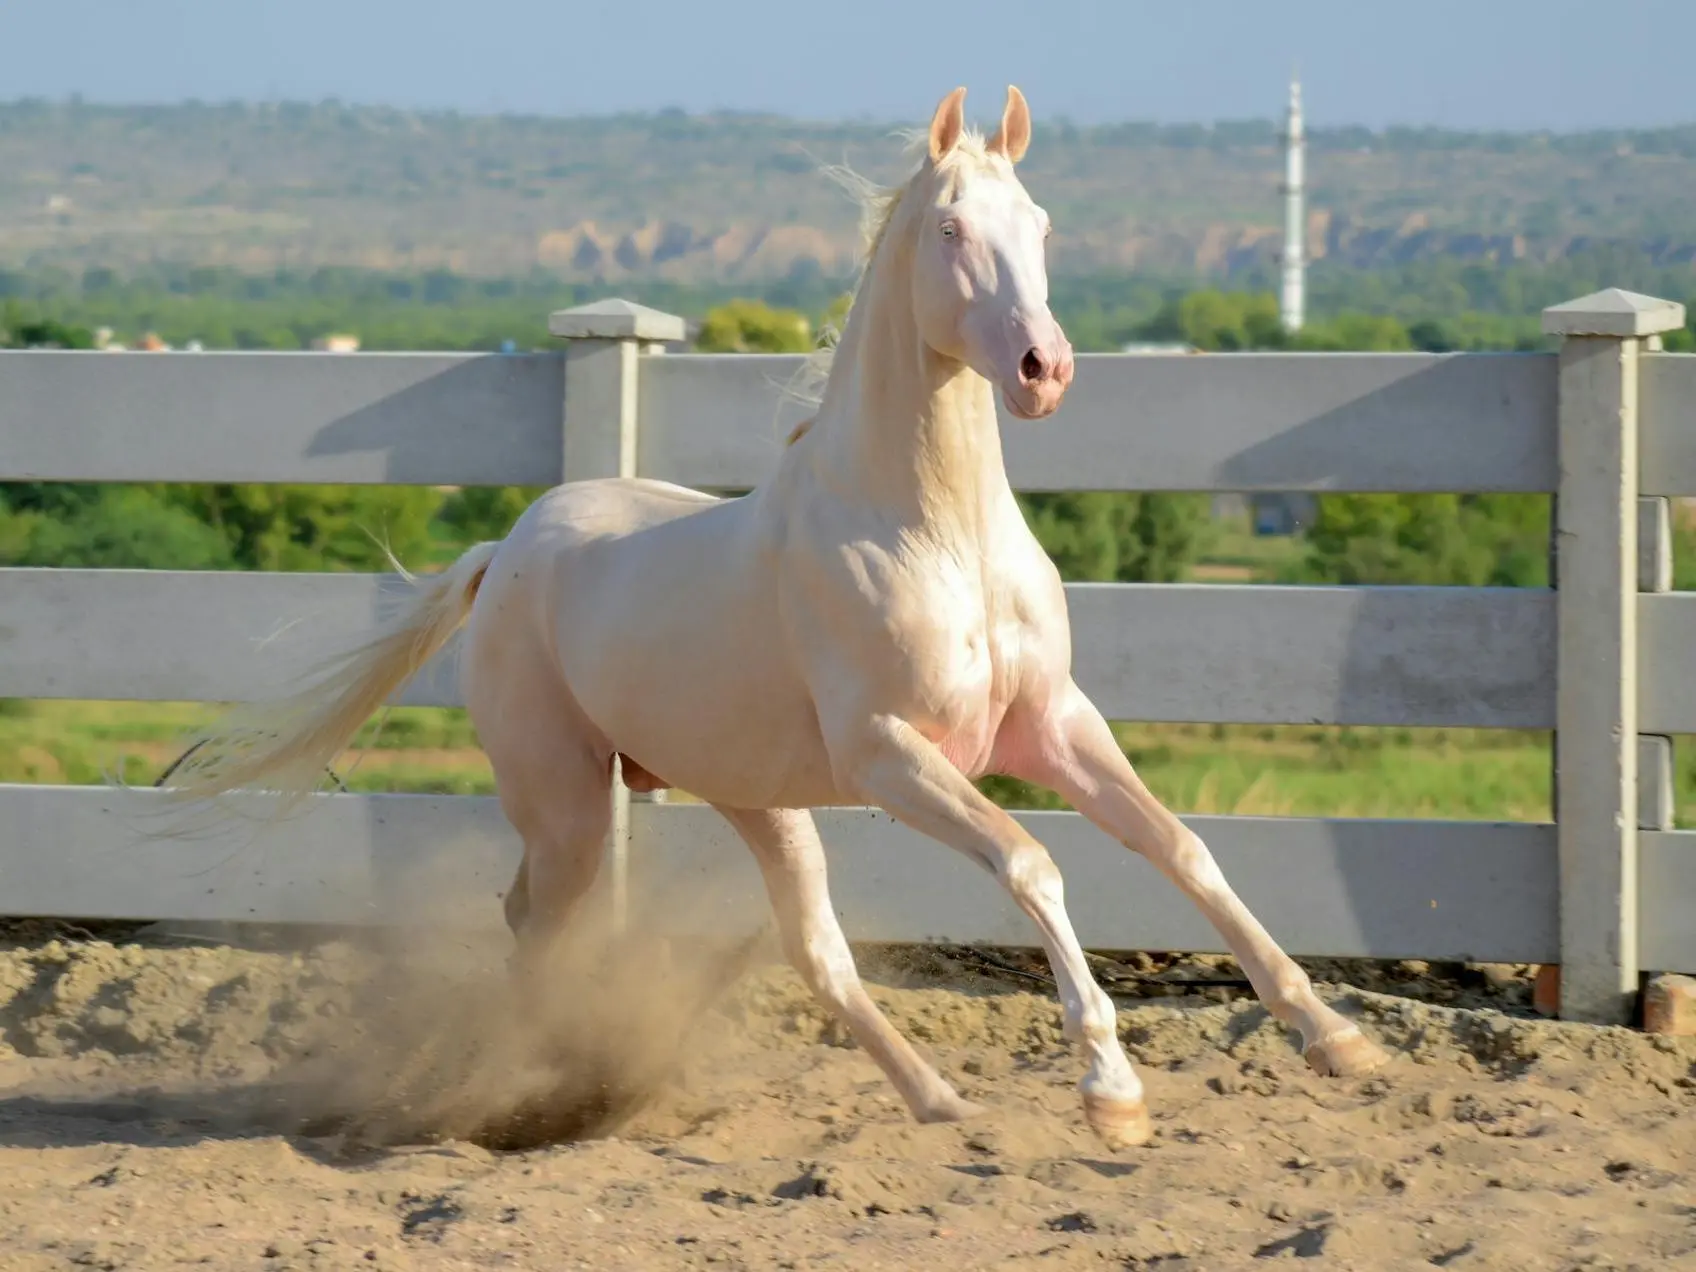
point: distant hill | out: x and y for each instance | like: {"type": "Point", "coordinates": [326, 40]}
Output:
{"type": "Point", "coordinates": [732, 197]}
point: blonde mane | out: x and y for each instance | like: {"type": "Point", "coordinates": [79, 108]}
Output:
{"type": "Point", "coordinates": [878, 208]}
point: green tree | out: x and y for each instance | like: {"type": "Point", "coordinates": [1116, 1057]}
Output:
{"type": "Point", "coordinates": [477, 514]}
{"type": "Point", "coordinates": [20, 332]}
{"type": "Point", "coordinates": [313, 527]}
{"type": "Point", "coordinates": [1218, 321]}
{"type": "Point", "coordinates": [1365, 333]}
{"type": "Point", "coordinates": [118, 527]}
{"type": "Point", "coordinates": [1456, 540]}
{"type": "Point", "coordinates": [1101, 536]}
{"type": "Point", "coordinates": [752, 326]}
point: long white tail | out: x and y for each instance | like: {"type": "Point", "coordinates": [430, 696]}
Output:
{"type": "Point", "coordinates": [286, 745]}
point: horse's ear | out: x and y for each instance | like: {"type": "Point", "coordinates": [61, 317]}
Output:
{"type": "Point", "coordinates": [947, 124]}
{"type": "Point", "coordinates": [1013, 138]}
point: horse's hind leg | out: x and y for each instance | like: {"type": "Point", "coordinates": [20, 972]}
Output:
{"type": "Point", "coordinates": [554, 784]}
{"type": "Point", "coordinates": [785, 842]}
{"type": "Point", "coordinates": [560, 804]}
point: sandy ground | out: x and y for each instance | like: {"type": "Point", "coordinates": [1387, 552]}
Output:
{"type": "Point", "coordinates": [168, 1105]}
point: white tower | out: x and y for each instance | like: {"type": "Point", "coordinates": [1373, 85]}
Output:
{"type": "Point", "coordinates": [1293, 299]}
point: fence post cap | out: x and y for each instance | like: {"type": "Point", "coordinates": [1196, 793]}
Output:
{"type": "Point", "coordinates": [1613, 312]}
{"type": "Point", "coordinates": [615, 320]}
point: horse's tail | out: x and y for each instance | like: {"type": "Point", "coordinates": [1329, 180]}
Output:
{"type": "Point", "coordinates": [286, 745]}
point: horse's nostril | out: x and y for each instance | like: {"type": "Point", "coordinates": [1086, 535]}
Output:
{"type": "Point", "coordinates": [1031, 366]}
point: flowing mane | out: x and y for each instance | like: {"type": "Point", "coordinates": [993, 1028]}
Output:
{"type": "Point", "coordinates": [879, 206]}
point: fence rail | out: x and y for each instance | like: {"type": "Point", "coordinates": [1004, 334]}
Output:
{"type": "Point", "coordinates": [1607, 427]}
{"type": "Point", "coordinates": [1382, 888]}
{"type": "Point", "coordinates": [1205, 653]}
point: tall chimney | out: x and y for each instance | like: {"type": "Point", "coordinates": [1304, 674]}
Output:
{"type": "Point", "coordinates": [1293, 300]}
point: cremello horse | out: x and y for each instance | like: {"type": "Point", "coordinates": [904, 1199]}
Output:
{"type": "Point", "coordinates": [874, 624]}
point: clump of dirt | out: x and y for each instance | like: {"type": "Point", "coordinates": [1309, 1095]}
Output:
{"type": "Point", "coordinates": [206, 1013]}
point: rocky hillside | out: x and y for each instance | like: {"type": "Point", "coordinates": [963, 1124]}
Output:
{"type": "Point", "coordinates": [729, 197]}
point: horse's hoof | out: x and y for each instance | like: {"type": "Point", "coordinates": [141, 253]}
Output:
{"type": "Point", "coordinates": [1118, 1123]}
{"type": "Point", "coordinates": [1346, 1055]}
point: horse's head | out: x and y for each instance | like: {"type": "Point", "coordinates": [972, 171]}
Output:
{"type": "Point", "coordinates": [980, 281]}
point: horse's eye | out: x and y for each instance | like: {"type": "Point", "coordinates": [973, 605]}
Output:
{"type": "Point", "coordinates": [950, 230]}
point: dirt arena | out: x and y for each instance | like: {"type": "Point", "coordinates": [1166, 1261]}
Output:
{"type": "Point", "coordinates": [164, 1103]}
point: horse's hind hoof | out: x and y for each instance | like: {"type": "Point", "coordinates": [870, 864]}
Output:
{"type": "Point", "coordinates": [1119, 1124]}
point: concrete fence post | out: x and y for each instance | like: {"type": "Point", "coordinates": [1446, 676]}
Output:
{"type": "Point", "coordinates": [604, 341]}
{"type": "Point", "coordinates": [1656, 793]}
{"type": "Point", "coordinates": [1598, 803]}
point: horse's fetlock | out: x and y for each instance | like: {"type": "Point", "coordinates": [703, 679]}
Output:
{"type": "Point", "coordinates": [1290, 988]}
{"type": "Point", "coordinates": [1098, 1017]}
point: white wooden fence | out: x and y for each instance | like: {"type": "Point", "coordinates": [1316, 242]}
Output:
{"type": "Point", "coordinates": [1608, 426]}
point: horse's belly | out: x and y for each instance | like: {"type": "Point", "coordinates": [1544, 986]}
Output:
{"type": "Point", "coordinates": [709, 711]}
{"type": "Point", "coordinates": [750, 759]}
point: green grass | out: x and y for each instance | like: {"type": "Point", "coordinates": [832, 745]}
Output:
{"type": "Point", "coordinates": [1294, 771]}
{"type": "Point", "coordinates": [1234, 553]}
{"type": "Point", "coordinates": [1199, 768]}
{"type": "Point", "coordinates": [1333, 772]}
{"type": "Point", "coordinates": [414, 748]}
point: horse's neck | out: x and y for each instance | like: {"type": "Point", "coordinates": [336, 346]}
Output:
{"type": "Point", "coordinates": [905, 429]}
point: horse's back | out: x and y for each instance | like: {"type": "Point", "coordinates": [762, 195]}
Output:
{"type": "Point", "coordinates": [607, 507]}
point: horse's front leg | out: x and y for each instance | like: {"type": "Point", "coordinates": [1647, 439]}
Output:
{"type": "Point", "coordinates": [786, 844]}
{"type": "Point", "coordinates": [884, 761]}
{"type": "Point", "coordinates": [1077, 757]}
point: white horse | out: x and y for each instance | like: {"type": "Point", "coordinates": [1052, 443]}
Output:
{"type": "Point", "coordinates": [875, 624]}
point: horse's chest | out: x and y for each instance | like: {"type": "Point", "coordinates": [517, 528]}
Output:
{"type": "Point", "coordinates": [969, 729]}
{"type": "Point", "coordinates": [965, 673]}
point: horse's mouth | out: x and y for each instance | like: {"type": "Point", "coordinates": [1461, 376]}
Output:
{"type": "Point", "coordinates": [1033, 412]}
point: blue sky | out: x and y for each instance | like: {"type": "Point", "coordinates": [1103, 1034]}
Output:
{"type": "Point", "coordinates": [1460, 63]}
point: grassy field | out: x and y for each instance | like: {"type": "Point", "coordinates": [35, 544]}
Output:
{"type": "Point", "coordinates": [1291, 771]}
{"type": "Point", "coordinates": [1233, 553]}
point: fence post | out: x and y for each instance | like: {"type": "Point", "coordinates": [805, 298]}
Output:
{"type": "Point", "coordinates": [1598, 572]}
{"type": "Point", "coordinates": [1656, 795]}
{"type": "Point", "coordinates": [604, 341]}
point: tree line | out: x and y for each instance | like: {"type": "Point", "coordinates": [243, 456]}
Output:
{"type": "Point", "coordinates": [1440, 304]}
